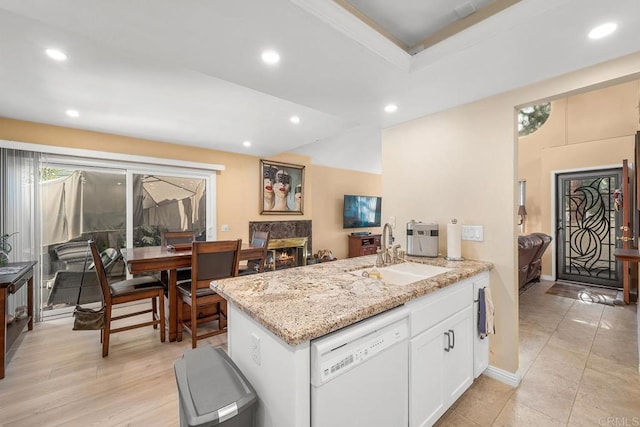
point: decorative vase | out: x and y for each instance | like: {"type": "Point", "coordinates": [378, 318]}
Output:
{"type": "Point", "coordinates": [5, 248]}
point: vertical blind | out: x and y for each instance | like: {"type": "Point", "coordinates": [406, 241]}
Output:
{"type": "Point", "coordinates": [19, 192]}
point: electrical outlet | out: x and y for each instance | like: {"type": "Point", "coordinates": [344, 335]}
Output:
{"type": "Point", "coordinates": [224, 227]}
{"type": "Point", "coordinates": [255, 348]}
{"type": "Point", "coordinates": [473, 232]}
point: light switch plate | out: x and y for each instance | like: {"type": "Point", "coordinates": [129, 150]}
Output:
{"type": "Point", "coordinates": [224, 227]}
{"type": "Point", "coordinates": [473, 233]}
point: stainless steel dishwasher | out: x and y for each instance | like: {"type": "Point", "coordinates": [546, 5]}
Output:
{"type": "Point", "coordinates": [359, 374]}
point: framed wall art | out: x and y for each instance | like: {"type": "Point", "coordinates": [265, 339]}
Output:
{"type": "Point", "coordinates": [282, 188]}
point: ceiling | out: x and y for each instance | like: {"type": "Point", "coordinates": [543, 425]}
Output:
{"type": "Point", "coordinates": [415, 25]}
{"type": "Point", "coordinates": [190, 72]}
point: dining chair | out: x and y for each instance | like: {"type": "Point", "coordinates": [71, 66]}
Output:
{"type": "Point", "coordinates": [259, 239]}
{"type": "Point", "coordinates": [125, 291]}
{"type": "Point", "coordinates": [209, 261]}
{"type": "Point", "coordinates": [177, 239]}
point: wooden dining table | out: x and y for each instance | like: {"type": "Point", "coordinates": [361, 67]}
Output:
{"type": "Point", "coordinates": [149, 259]}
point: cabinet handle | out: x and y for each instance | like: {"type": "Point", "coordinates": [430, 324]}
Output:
{"type": "Point", "coordinates": [453, 335]}
{"type": "Point", "coordinates": [448, 341]}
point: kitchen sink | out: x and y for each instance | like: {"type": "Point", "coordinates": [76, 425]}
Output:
{"type": "Point", "coordinates": [403, 274]}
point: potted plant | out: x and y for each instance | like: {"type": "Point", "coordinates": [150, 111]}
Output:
{"type": "Point", "coordinates": [5, 247]}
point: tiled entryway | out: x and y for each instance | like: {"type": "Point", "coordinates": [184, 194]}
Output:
{"type": "Point", "coordinates": [579, 366]}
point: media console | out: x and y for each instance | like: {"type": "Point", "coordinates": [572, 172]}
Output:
{"type": "Point", "coordinates": [360, 245]}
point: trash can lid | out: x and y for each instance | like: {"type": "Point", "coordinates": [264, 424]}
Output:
{"type": "Point", "coordinates": [211, 386]}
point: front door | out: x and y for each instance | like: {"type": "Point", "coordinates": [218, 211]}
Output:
{"type": "Point", "coordinates": [586, 230]}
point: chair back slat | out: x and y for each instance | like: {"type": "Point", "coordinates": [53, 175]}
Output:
{"type": "Point", "coordinates": [213, 261]}
{"type": "Point", "coordinates": [100, 271]}
{"type": "Point", "coordinates": [214, 266]}
{"type": "Point", "coordinates": [177, 238]}
{"type": "Point", "coordinates": [260, 239]}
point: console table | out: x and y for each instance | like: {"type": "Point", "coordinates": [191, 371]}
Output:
{"type": "Point", "coordinates": [628, 255]}
{"type": "Point", "coordinates": [13, 276]}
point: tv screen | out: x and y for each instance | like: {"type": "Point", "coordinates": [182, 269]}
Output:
{"type": "Point", "coordinates": [362, 211]}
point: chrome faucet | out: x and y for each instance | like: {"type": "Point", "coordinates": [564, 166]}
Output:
{"type": "Point", "coordinates": [386, 244]}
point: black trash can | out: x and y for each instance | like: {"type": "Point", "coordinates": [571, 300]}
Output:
{"type": "Point", "coordinates": [212, 391]}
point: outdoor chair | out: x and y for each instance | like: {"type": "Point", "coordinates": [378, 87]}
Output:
{"type": "Point", "coordinates": [66, 284]}
{"type": "Point", "coordinates": [126, 291]}
{"type": "Point", "coordinates": [209, 261]}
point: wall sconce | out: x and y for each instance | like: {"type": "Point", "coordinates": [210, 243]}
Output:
{"type": "Point", "coordinates": [522, 211]}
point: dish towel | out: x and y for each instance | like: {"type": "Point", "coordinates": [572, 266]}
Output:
{"type": "Point", "coordinates": [485, 313]}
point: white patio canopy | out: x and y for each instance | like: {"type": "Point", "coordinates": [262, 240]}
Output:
{"type": "Point", "coordinates": [88, 201]}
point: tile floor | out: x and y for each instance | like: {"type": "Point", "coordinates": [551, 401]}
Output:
{"type": "Point", "coordinates": [579, 367]}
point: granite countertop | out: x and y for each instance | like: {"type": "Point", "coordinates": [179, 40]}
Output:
{"type": "Point", "coordinates": [303, 303]}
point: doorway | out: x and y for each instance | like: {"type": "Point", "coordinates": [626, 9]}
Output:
{"type": "Point", "coordinates": [587, 220]}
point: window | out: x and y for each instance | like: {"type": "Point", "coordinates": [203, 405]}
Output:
{"type": "Point", "coordinates": [167, 203]}
{"type": "Point", "coordinates": [88, 200]}
{"type": "Point", "coordinates": [104, 196]}
{"type": "Point", "coordinates": [532, 117]}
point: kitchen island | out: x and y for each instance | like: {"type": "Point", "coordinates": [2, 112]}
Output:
{"type": "Point", "coordinates": [274, 316]}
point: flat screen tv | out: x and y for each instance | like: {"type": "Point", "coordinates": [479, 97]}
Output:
{"type": "Point", "coordinates": [361, 211]}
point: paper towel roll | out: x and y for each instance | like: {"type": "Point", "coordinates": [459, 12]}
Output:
{"type": "Point", "coordinates": [454, 240]}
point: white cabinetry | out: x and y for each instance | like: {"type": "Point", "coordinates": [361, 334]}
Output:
{"type": "Point", "coordinates": [441, 351]}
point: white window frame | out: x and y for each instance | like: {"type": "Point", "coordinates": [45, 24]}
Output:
{"type": "Point", "coordinates": [131, 164]}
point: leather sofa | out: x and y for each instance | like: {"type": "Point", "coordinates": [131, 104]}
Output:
{"type": "Point", "coordinates": [530, 250]}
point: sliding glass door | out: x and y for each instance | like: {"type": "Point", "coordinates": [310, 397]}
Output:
{"type": "Point", "coordinates": [117, 206]}
{"type": "Point", "coordinates": [79, 204]}
{"type": "Point", "coordinates": [167, 203]}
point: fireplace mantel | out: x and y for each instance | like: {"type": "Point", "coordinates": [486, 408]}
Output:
{"type": "Point", "coordinates": [294, 236]}
{"type": "Point", "coordinates": [284, 229]}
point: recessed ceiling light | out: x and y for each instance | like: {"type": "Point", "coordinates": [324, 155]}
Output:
{"type": "Point", "coordinates": [602, 30]}
{"type": "Point", "coordinates": [247, 143]}
{"type": "Point", "coordinates": [294, 119]}
{"type": "Point", "coordinates": [270, 57]}
{"type": "Point", "coordinates": [72, 113]}
{"type": "Point", "coordinates": [390, 108]}
{"type": "Point", "coordinates": [56, 54]}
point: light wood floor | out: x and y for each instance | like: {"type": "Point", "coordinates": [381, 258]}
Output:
{"type": "Point", "coordinates": [579, 364]}
{"type": "Point", "coordinates": [57, 377]}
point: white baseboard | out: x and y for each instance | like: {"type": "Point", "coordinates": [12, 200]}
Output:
{"type": "Point", "coordinates": [545, 277]}
{"type": "Point", "coordinates": [506, 377]}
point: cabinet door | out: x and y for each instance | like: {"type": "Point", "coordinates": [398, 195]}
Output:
{"type": "Point", "coordinates": [458, 361]}
{"type": "Point", "coordinates": [426, 370]}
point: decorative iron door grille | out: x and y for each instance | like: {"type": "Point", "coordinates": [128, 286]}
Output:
{"type": "Point", "coordinates": [587, 224]}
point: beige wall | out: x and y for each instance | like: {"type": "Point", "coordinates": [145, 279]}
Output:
{"type": "Point", "coordinates": [462, 163]}
{"type": "Point", "coordinates": [590, 130]}
{"type": "Point", "coordinates": [238, 186]}
{"type": "Point", "coordinates": [331, 185]}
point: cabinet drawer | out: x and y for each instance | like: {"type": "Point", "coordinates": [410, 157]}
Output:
{"type": "Point", "coordinates": [437, 306]}
{"type": "Point", "coordinates": [369, 250]}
